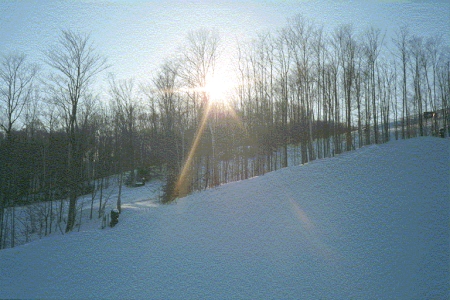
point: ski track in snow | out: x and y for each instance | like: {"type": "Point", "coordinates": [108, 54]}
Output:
{"type": "Point", "coordinates": [367, 224]}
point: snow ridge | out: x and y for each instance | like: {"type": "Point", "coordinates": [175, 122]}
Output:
{"type": "Point", "coordinates": [368, 224]}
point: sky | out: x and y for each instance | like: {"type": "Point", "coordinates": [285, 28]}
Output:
{"type": "Point", "coordinates": [137, 36]}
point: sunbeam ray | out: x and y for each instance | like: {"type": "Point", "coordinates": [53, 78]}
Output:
{"type": "Point", "coordinates": [182, 185]}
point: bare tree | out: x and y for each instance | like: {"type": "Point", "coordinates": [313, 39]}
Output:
{"type": "Point", "coordinates": [284, 61]}
{"type": "Point", "coordinates": [125, 105]}
{"type": "Point", "coordinates": [443, 74]}
{"type": "Point", "coordinates": [417, 62]}
{"type": "Point", "coordinates": [167, 87]}
{"type": "Point", "coordinates": [372, 45]}
{"type": "Point", "coordinates": [401, 43]}
{"type": "Point", "coordinates": [300, 42]}
{"type": "Point", "coordinates": [75, 63]}
{"type": "Point", "coordinates": [432, 46]}
{"type": "Point", "coordinates": [199, 58]}
{"type": "Point", "coordinates": [346, 46]}
{"type": "Point", "coordinates": [165, 100]}
{"type": "Point", "coordinates": [16, 86]}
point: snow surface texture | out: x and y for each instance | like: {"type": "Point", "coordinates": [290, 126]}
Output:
{"type": "Point", "coordinates": [373, 223]}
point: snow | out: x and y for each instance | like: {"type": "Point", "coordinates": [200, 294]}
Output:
{"type": "Point", "coordinates": [372, 223]}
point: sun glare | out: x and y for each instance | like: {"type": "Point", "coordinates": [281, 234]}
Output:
{"type": "Point", "coordinates": [218, 88]}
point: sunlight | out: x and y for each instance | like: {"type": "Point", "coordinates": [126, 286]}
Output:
{"type": "Point", "coordinates": [219, 87]}
{"type": "Point", "coordinates": [182, 183]}
{"type": "Point", "coordinates": [218, 91]}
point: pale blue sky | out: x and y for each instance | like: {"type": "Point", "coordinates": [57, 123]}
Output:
{"type": "Point", "coordinates": [136, 36]}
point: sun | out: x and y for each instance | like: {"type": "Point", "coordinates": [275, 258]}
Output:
{"type": "Point", "coordinates": [219, 87]}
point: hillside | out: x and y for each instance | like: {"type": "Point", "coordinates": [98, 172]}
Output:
{"type": "Point", "coordinates": [371, 223]}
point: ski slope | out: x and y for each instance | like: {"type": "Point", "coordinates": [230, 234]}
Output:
{"type": "Point", "coordinates": [368, 224]}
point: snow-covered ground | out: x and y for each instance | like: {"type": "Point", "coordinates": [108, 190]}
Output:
{"type": "Point", "coordinates": [367, 224]}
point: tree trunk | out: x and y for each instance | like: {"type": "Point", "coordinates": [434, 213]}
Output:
{"type": "Point", "coordinates": [119, 197]}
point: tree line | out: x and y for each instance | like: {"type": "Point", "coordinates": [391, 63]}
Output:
{"type": "Point", "coordinates": [301, 93]}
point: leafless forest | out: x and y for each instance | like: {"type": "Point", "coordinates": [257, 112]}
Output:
{"type": "Point", "coordinates": [296, 87]}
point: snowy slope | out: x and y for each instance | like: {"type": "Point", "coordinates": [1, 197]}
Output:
{"type": "Point", "coordinates": [373, 223]}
